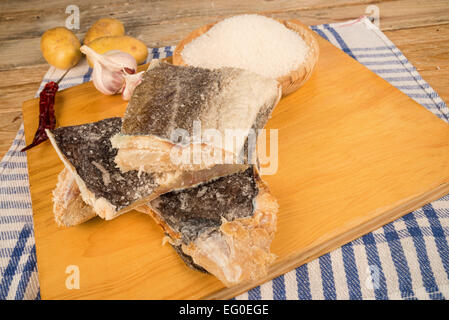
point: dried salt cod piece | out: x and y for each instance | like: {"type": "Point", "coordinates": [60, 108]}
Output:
{"type": "Point", "coordinates": [88, 155]}
{"type": "Point", "coordinates": [173, 98]}
{"type": "Point", "coordinates": [224, 226]}
{"type": "Point", "coordinates": [68, 206]}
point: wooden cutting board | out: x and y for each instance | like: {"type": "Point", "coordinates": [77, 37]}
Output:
{"type": "Point", "coordinates": [354, 154]}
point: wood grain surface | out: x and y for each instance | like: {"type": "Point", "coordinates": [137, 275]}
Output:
{"type": "Point", "coordinates": [347, 165]}
{"type": "Point", "coordinates": [419, 28]}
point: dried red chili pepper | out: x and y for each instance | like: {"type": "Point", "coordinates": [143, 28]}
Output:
{"type": "Point", "coordinates": [47, 118]}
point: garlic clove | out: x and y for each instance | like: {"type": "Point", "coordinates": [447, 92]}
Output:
{"type": "Point", "coordinates": [106, 81]}
{"type": "Point", "coordinates": [132, 80]}
{"type": "Point", "coordinates": [108, 73]}
{"type": "Point", "coordinates": [121, 60]}
{"type": "Point", "coordinates": [114, 59]}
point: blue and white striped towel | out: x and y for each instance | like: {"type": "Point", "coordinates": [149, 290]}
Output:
{"type": "Point", "coordinates": [406, 259]}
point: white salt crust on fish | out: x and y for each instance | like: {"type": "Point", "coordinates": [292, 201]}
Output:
{"type": "Point", "coordinates": [176, 97]}
{"type": "Point", "coordinates": [87, 153]}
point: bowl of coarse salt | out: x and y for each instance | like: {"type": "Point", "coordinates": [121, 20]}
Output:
{"type": "Point", "coordinates": [286, 50]}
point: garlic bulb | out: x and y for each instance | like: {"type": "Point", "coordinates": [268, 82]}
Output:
{"type": "Point", "coordinates": [106, 81]}
{"type": "Point", "coordinates": [108, 73]}
{"type": "Point", "coordinates": [132, 80]}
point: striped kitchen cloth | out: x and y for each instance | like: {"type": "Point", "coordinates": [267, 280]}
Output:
{"type": "Point", "coordinates": [406, 259]}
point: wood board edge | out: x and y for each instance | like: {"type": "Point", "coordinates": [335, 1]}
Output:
{"type": "Point", "coordinates": [321, 249]}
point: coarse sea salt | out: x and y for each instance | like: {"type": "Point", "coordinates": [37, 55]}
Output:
{"type": "Point", "coordinates": [252, 42]}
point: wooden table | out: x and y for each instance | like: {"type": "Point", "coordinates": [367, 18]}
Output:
{"type": "Point", "coordinates": [419, 28]}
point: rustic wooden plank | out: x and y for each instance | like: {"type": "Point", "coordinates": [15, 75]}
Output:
{"type": "Point", "coordinates": [9, 124]}
{"type": "Point", "coordinates": [157, 24]}
{"type": "Point", "coordinates": [31, 21]}
{"type": "Point", "coordinates": [21, 84]}
{"type": "Point", "coordinates": [428, 51]}
{"type": "Point", "coordinates": [10, 94]}
{"type": "Point", "coordinates": [169, 30]}
{"type": "Point", "coordinates": [22, 75]}
{"type": "Point", "coordinates": [393, 14]}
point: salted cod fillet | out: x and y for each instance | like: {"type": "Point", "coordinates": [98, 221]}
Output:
{"type": "Point", "coordinates": [88, 155]}
{"type": "Point", "coordinates": [175, 98]}
{"type": "Point", "coordinates": [224, 226]}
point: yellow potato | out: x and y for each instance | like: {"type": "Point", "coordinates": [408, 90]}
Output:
{"type": "Point", "coordinates": [128, 44]}
{"type": "Point", "coordinates": [60, 47]}
{"type": "Point", "coordinates": [104, 27]}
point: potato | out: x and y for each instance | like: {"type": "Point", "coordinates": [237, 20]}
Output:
{"type": "Point", "coordinates": [60, 47]}
{"type": "Point", "coordinates": [104, 27]}
{"type": "Point", "coordinates": [128, 44]}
